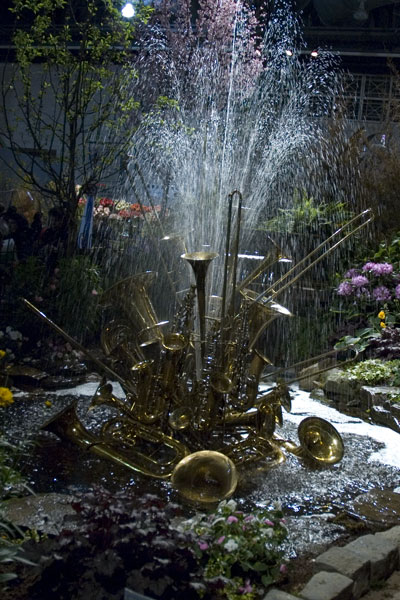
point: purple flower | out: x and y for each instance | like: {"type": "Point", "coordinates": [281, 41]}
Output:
{"type": "Point", "coordinates": [369, 266]}
{"type": "Point", "coordinates": [381, 294]}
{"type": "Point", "coordinates": [352, 273]}
{"type": "Point", "coordinates": [268, 522]}
{"type": "Point", "coordinates": [203, 545]}
{"type": "Point", "coordinates": [220, 539]}
{"type": "Point", "coordinates": [397, 292]}
{"type": "Point", "coordinates": [359, 280]}
{"type": "Point", "coordinates": [232, 519]}
{"type": "Point", "coordinates": [345, 289]}
{"type": "Point", "coordinates": [378, 268]}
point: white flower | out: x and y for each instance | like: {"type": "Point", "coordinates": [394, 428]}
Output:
{"type": "Point", "coordinates": [231, 504]}
{"type": "Point", "coordinates": [277, 506]}
{"type": "Point", "coordinates": [231, 545]}
{"type": "Point", "coordinates": [269, 532]}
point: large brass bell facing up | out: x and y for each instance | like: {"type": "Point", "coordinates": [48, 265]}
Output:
{"type": "Point", "coordinates": [205, 477]}
{"type": "Point", "coordinates": [320, 442]}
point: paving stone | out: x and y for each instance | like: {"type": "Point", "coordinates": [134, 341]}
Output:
{"type": "Point", "coordinates": [275, 594]}
{"type": "Point", "coordinates": [328, 586]}
{"type": "Point", "coordinates": [348, 563]}
{"type": "Point", "coordinates": [382, 553]}
{"type": "Point", "coordinates": [393, 535]}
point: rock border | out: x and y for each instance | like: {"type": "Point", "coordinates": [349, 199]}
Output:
{"type": "Point", "coordinates": [348, 572]}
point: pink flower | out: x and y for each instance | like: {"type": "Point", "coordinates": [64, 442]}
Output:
{"type": "Point", "coordinates": [283, 569]}
{"type": "Point", "coordinates": [220, 539]}
{"type": "Point", "coordinates": [232, 519]}
{"type": "Point", "coordinates": [397, 291]}
{"type": "Point", "coordinates": [268, 522]}
{"type": "Point", "coordinates": [203, 545]}
{"type": "Point", "coordinates": [249, 518]}
{"type": "Point", "coordinates": [247, 588]}
{"type": "Point", "coordinates": [95, 293]}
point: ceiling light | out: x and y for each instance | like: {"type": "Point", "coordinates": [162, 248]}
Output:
{"type": "Point", "coordinates": [128, 11]}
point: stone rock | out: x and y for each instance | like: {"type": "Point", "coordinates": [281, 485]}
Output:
{"type": "Point", "coordinates": [382, 553]}
{"type": "Point", "coordinates": [380, 506]}
{"type": "Point", "coordinates": [131, 595]}
{"type": "Point", "coordinates": [309, 377]}
{"type": "Point", "coordinates": [382, 416]}
{"type": "Point", "coordinates": [275, 594]}
{"type": "Point", "coordinates": [395, 409]}
{"type": "Point", "coordinates": [327, 585]}
{"type": "Point", "coordinates": [348, 563]}
{"type": "Point", "coordinates": [373, 395]}
{"type": "Point", "coordinates": [338, 387]}
{"type": "Point", "coordinates": [43, 512]}
{"type": "Point", "coordinates": [393, 535]}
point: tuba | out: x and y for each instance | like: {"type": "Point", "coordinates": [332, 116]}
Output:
{"type": "Point", "coordinates": [125, 433]}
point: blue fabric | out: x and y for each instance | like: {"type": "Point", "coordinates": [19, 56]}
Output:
{"type": "Point", "coordinates": [86, 226]}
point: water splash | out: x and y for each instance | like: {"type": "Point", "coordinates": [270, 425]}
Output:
{"type": "Point", "coordinates": [250, 116]}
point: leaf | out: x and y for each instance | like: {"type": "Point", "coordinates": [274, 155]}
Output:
{"type": "Point", "coordinates": [260, 566]}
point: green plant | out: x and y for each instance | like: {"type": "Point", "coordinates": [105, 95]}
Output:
{"type": "Point", "coordinates": [241, 549]}
{"type": "Point", "coordinates": [74, 303]}
{"type": "Point", "coordinates": [305, 213]}
{"type": "Point", "coordinates": [375, 371]}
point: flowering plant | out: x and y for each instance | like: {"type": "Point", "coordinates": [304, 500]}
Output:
{"type": "Point", "coordinates": [240, 551]}
{"type": "Point", "coordinates": [375, 283]}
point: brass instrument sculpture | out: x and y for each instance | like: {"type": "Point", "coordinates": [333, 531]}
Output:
{"type": "Point", "coordinates": [193, 411]}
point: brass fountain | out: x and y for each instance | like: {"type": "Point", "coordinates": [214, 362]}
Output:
{"type": "Point", "coordinates": [192, 411]}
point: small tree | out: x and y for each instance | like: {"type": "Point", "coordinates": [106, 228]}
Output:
{"type": "Point", "coordinates": [66, 97]}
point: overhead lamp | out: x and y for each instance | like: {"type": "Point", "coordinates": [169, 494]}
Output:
{"type": "Point", "coordinates": [314, 53]}
{"type": "Point", "coordinates": [289, 52]}
{"type": "Point", "coordinates": [128, 10]}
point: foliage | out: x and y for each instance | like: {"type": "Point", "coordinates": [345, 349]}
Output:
{"type": "Point", "coordinates": [118, 540]}
{"type": "Point", "coordinates": [375, 371]}
{"type": "Point", "coordinates": [306, 213]}
{"type": "Point", "coordinates": [387, 345]}
{"type": "Point", "coordinates": [77, 285]}
{"type": "Point", "coordinates": [69, 296]}
{"type": "Point", "coordinates": [241, 549]}
{"type": "Point", "coordinates": [75, 114]}
{"type": "Point", "coordinates": [389, 251]}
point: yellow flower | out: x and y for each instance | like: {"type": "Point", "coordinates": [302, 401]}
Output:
{"type": "Point", "coordinates": [2, 353]}
{"type": "Point", "coordinates": [6, 396]}
{"type": "Point", "coordinates": [382, 324]}
{"type": "Point", "coordinates": [382, 315]}
{"type": "Point", "coordinates": [48, 403]}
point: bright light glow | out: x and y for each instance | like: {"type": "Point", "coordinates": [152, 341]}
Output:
{"type": "Point", "coordinates": [314, 53]}
{"type": "Point", "coordinates": [289, 53]}
{"type": "Point", "coordinates": [128, 10]}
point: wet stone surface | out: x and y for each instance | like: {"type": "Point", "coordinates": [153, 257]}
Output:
{"type": "Point", "coordinates": [311, 499]}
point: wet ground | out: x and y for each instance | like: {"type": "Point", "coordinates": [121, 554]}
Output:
{"type": "Point", "coordinates": [316, 502]}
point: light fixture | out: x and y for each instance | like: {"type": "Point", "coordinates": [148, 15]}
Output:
{"type": "Point", "coordinates": [314, 53]}
{"type": "Point", "coordinates": [289, 52]}
{"type": "Point", "coordinates": [361, 14]}
{"type": "Point", "coordinates": [128, 10]}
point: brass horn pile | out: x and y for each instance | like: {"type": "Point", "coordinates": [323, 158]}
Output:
{"type": "Point", "coordinates": [192, 383]}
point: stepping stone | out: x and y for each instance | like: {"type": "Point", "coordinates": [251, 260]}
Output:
{"type": "Point", "coordinates": [328, 586]}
